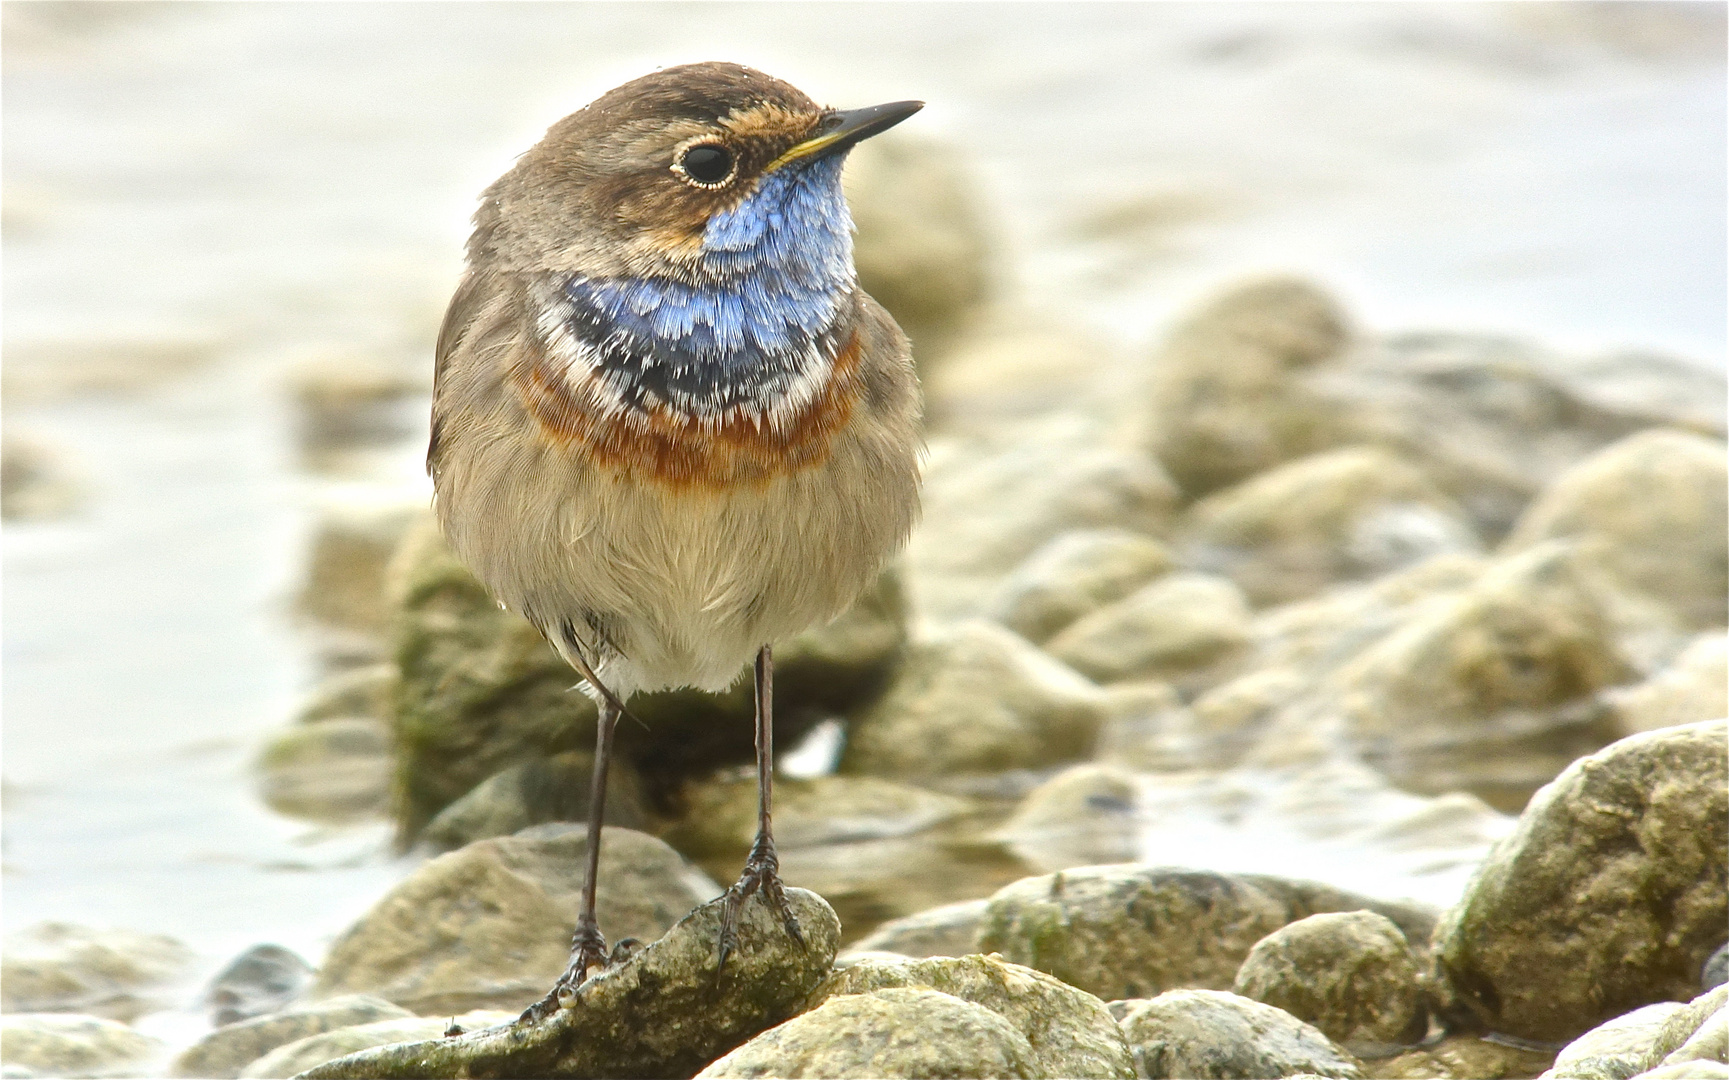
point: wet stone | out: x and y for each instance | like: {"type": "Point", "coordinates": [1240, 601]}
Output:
{"type": "Point", "coordinates": [489, 926]}
{"type": "Point", "coordinates": [1071, 1032]}
{"type": "Point", "coordinates": [263, 979]}
{"type": "Point", "coordinates": [227, 1050]}
{"type": "Point", "coordinates": [1351, 974]}
{"type": "Point", "coordinates": [1463, 1057]}
{"type": "Point", "coordinates": [535, 793]}
{"type": "Point", "coordinates": [76, 1045]}
{"type": "Point", "coordinates": [1694, 687]}
{"type": "Point", "coordinates": [899, 1032]}
{"type": "Point", "coordinates": [1085, 815]}
{"type": "Point", "coordinates": [1130, 931]}
{"type": "Point", "coordinates": [975, 698]}
{"type": "Point", "coordinates": [1074, 575]}
{"type": "Point", "coordinates": [663, 1012]}
{"type": "Point", "coordinates": [335, 770]}
{"type": "Point", "coordinates": [1609, 895]}
{"type": "Point", "coordinates": [948, 930]}
{"type": "Point", "coordinates": [292, 1059]}
{"type": "Point", "coordinates": [64, 967]}
{"type": "Point", "coordinates": [1617, 1049]}
{"type": "Point", "coordinates": [1177, 626]}
{"type": "Point", "coordinates": [1214, 1035]}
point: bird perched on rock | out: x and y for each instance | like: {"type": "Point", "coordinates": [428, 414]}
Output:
{"type": "Point", "coordinates": [668, 427]}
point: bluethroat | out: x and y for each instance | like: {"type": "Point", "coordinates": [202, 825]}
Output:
{"type": "Point", "coordinates": [668, 427]}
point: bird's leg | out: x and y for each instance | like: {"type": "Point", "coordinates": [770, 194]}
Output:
{"type": "Point", "coordinates": [587, 947]}
{"type": "Point", "coordinates": [762, 866]}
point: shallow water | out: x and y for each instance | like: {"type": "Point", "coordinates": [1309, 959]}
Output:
{"type": "Point", "coordinates": [259, 181]}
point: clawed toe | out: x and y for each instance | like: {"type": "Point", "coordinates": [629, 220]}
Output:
{"type": "Point", "coordinates": [761, 874]}
{"type": "Point", "coordinates": [587, 951]}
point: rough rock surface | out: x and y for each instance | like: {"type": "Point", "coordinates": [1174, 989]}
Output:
{"type": "Point", "coordinates": [537, 792]}
{"type": "Point", "coordinates": [991, 501]}
{"type": "Point", "coordinates": [1214, 1035]}
{"type": "Point", "coordinates": [975, 698]}
{"type": "Point", "coordinates": [263, 979]}
{"type": "Point", "coordinates": [900, 1032]}
{"type": "Point", "coordinates": [664, 1012]}
{"type": "Point", "coordinates": [481, 691]}
{"type": "Point", "coordinates": [1073, 575]}
{"type": "Point", "coordinates": [1462, 1057]}
{"type": "Point", "coordinates": [1345, 515]}
{"type": "Point", "coordinates": [296, 1057]}
{"type": "Point", "coordinates": [1616, 1049]}
{"type": "Point", "coordinates": [489, 926]}
{"type": "Point", "coordinates": [1489, 691]}
{"type": "Point", "coordinates": [1609, 895]}
{"type": "Point", "coordinates": [351, 546]}
{"type": "Point", "coordinates": [1223, 403]}
{"type": "Point", "coordinates": [73, 1044]}
{"type": "Point", "coordinates": [948, 930]}
{"type": "Point", "coordinates": [1172, 626]}
{"type": "Point", "coordinates": [335, 770]}
{"type": "Point", "coordinates": [1694, 687]}
{"type": "Point", "coordinates": [1652, 509]}
{"type": "Point", "coordinates": [1132, 931]}
{"type": "Point", "coordinates": [227, 1050]}
{"type": "Point", "coordinates": [1071, 1032]}
{"type": "Point", "coordinates": [1351, 974]}
{"type": "Point", "coordinates": [63, 967]}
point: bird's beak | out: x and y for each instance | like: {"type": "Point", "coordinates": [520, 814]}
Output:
{"type": "Point", "coordinates": [842, 130]}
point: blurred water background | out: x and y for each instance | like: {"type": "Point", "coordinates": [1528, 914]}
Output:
{"type": "Point", "coordinates": [201, 197]}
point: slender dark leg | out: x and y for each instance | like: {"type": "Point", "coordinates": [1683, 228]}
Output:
{"type": "Point", "coordinates": [762, 867]}
{"type": "Point", "coordinates": [587, 947]}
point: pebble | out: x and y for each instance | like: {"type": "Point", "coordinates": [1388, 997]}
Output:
{"type": "Point", "coordinates": [58, 967]}
{"type": "Point", "coordinates": [1215, 1035]}
{"type": "Point", "coordinates": [74, 1044]}
{"type": "Point", "coordinates": [1075, 574]}
{"type": "Point", "coordinates": [1350, 974]}
{"type": "Point", "coordinates": [1172, 628]}
{"type": "Point", "coordinates": [263, 979]}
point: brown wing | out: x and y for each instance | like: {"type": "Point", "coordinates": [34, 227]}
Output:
{"type": "Point", "coordinates": [471, 295]}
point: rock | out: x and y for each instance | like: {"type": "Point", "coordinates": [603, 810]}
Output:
{"type": "Point", "coordinates": [1346, 515]}
{"type": "Point", "coordinates": [263, 979]}
{"type": "Point", "coordinates": [72, 1044]}
{"type": "Point", "coordinates": [1608, 896]}
{"type": "Point", "coordinates": [36, 483]}
{"type": "Point", "coordinates": [663, 1012]}
{"type": "Point", "coordinates": [1687, 1070]}
{"type": "Point", "coordinates": [1012, 362]}
{"type": "Point", "coordinates": [1653, 511]}
{"type": "Point", "coordinates": [1488, 691]}
{"type": "Point", "coordinates": [948, 930]}
{"type": "Point", "coordinates": [351, 545]}
{"type": "Point", "coordinates": [1649, 390]}
{"type": "Point", "coordinates": [481, 691]}
{"type": "Point", "coordinates": [330, 770]}
{"type": "Point", "coordinates": [923, 249]}
{"type": "Point", "coordinates": [1130, 931]}
{"type": "Point", "coordinates": [1351, 974]}
{"type": "Point", "coordinates": [1491, 420]}
{"type": "Point", "coordinates": [1085, 815]}
{"type": "Point", "coordinates": [975, 698]}
{"type": "Point", "coordinates": [227, 1050]}
{"type": "Point", "coordinates": [900, 1032]}
{"type": "Point", "coordinates": [537, 792]}
{"type": "Point", "coordinates": [1716, 970]}
{"type": "Point", "coordinates": [1463, 1057]}
{"type": "Point", "coordinates": [1226, 721]}
{"type": "Point", "coordinates": [1688, 1022]}
{"type": "Point", "coordinates": [296, 1057]}
{"type": "Point", "coordinates": [1207, 1034]}
{"type": "Point", "coordinates": [1708, 1045]}
{"type": "Point", "coordinates": [1147, 728]}
{"type": "Point", "coordinates": [1224, 405]}
{"type": "Point", "coordinates": [872, 848]}
{"type": "Point", "coordinates": [991, 501]}
{"type": "Point", "coordinates": [65, 968]}
{"type": "Point", "coordinates": [489, 926]}
{"type": "Point", "coordinates": [1074, 575]}
{"type": "Point", "coordinates": [1071, 1033]}
{"type": "Point", "coordinates": [1693, 688]}
{"type": "Point", "coordinates": [363, 691]}
{"type": "Point", "coordinates": [345, 400]}
{"type": "Point", "coordinates": [1175, 625]}
{"type": "Point", "coordinates": [1614, 1050]}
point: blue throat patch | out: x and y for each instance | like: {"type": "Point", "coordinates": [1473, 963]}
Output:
{"type": "Point", "coordinates": [779, 279]}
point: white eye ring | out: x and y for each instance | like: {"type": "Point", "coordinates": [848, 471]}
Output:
{"type": "Point", "coordinates": [701, 173]}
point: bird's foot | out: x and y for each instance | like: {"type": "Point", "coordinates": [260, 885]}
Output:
{"type": "Point", "coordinates": [761, 873]}
{"type": "Point", "coordinates": [587, 951]}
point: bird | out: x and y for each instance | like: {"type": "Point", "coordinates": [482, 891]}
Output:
{"type": "Point", "coordinates": [669, 427]}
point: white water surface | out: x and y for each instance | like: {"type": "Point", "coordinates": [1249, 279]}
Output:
{"type": "Point", "coordinates": [279, 178]}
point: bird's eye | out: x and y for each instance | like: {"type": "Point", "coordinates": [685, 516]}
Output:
{"type": "Point", "coordinates": [705, 165]}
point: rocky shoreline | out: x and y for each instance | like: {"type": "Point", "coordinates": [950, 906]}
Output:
{"type": "Point", "coordinates": [1445, 603]}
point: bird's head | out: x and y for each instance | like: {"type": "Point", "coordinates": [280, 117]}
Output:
{"type": "Point", "coordinates": [691, 173]}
